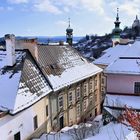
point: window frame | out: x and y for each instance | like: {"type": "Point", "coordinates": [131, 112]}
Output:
{"type": "Point", "coordinates": [70, 98]}
{"type": "Point", "coordinates": [60, 101]}
{"type": "Point", "coordinates": [47, 111]}
{"type": "Point", "coordinates": [35, 120]}
{"type": "Point", "coordinates": [78, 93]}
{"type": "Point", "coordinates": [78, 110]}
{"type": "Point", "coordinates": [137, 87]}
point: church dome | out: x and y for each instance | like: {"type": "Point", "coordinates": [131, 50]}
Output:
{"type": "Point", "coordinates": [69, 30]}
{"type": "Point", "coordinates": [136, 23]}
{"type": "Point", "coordinates": [116, 30]}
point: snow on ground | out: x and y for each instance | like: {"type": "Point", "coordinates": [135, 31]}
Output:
{"type": "Point", "coordinates": [112, 131]}
{"type": "Point", "coordinates": [131, 136]}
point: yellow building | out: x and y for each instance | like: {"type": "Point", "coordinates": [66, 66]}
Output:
{"type": "Point", "coordinates": [75, 82]}
{"type": "Point", "coordinates": [52, 87]}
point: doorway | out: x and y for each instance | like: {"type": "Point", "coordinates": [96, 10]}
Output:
{"type": "Point", "coordinates": [17, 136]}
{"type": "Point", "coordinates": [95, 111]}
{"type": "Point", "coordinates": [61, 121]}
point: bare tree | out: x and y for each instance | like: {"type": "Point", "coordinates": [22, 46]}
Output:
{"type": "Point", "coordinates": [131, 118]}
{"type": "Point", "coordinates": [95, 127]}
{"type": "Point", "coordinates": [80, 132]}
{"type": "Point", "coordinates": [83, 130]}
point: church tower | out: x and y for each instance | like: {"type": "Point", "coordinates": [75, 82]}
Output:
{"type": "Point", "coordinates": [116, 31]}
{"type": "Point", "coordinates": [69, 34]}
{"type": "Point", "coordinates": [136, 26]}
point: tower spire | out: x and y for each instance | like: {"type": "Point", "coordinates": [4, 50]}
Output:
{"type": "Point", "coordinates": [69, 22]}
{"type": "Point", "coordinates": [136, 17]}
{"type": "Point", "coordinates": [116, 31]}
{"type": "Point", "coordinates": [117, 18]}
{"type": "Point", "coordinates": [117, 22]}
{"type": "Point", "coordinates": [69, 34]}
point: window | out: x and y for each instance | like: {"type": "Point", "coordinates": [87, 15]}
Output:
{"type": "Point", "coordinates": [85, 88]}
{"type": "Point", "coordinates": [102, 89]}
{"type": "Point", "coordinates": [46, 110]}
{"type": "Point", "coordinates": [102, 81]}
{"type": "Point", "coordinates": [78, 93]}
{"type": "Point", "coordinates": [90, 99]}
{"type": "Point", "coordinates": [85, 105]}
{"type": "Point", "coordinates": [90, 115]}
{"type": "Point", "coordinates": [60, 101]}
{"type": "Point", "coordinates": [17, 136]}
{"type": "Point", "coordinates": [78, 110]}
{"type": "Point", "coordinates": [90, 85]}
{"type": "Point", "coordinates": [95, 111]}
{"type": "Point", "coordinates": [95, 82]}
{"type": "Point", "coordinates": [70, 98]}
{"type": "Point", "coordinates": [137, 87]}
{"type": "Point", "coordinates": [35, 122]}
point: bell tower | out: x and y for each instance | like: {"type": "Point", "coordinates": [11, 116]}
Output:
{"type": "Point", "coordinates": [69, 34]}
{"type": "Point", "coordinates": [116, 31]}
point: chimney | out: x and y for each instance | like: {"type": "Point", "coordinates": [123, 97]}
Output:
{"type": "Point", "coordinates": [10, 49]}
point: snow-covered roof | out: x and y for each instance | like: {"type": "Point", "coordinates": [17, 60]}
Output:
{"type": "Point", "coordinates": [124, 66]}
{"type": "Point", "coordinates": [64, 66]}
{"type": "Point", "coordinates": [122, 59]}
{"type": "Point", "coordinates": [20, 85]}
{"type": "Point", "coordinates": [111, 54]}
{"type": "Point", "coordinates": [133, 51]}
{"type": "Point", "coordinates": [120, 101]}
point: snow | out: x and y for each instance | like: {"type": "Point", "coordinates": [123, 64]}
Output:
{"type": "Point", "coordinates": [133, 51]}
{"type": "Point", "coordinates": [122, 59]}
{"type": "Point", "coordinates": [73, 75]}
{"type": "Point", "coordinates": [27, 99]}
{"type": "Point", "coordinates": [8, 84]}
{"type": "Point", "coordinates": [69, 66]}
{"type": "Point", "coordinates": [121, 101]}
{"type": "Point", "coordinates": [111, 54]}
{"type": "Point", "coordinates": [124, 66]}
{"type": "Point", "coordinates": [14, 94]}
{"type": "Point", "coordinates": [131, 136]}
{"type": "Point", "coordinates": [112, 131]}
{"type": "Point", "coordinates": [8, 88]}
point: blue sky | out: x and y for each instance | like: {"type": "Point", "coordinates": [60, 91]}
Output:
{"type": "Point", "coordinates": [50, 17]}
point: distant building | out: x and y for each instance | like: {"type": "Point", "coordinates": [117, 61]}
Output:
{"type": "Point", "coordinates": [116, 31]}
{"type": "Point", "coordinates": [45, 88]}
{"type": "Point", "coordinates": [121, 68]}
{"type": "Point", "coordinates": [136, 26]}
{"type": "Point", "coordinates": [69, 34]}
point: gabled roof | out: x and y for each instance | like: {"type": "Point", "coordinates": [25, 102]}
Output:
{"type": "Point", "coordinates": [63, 65]}
{"type": "Point", "coordinates": [20, 85]}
